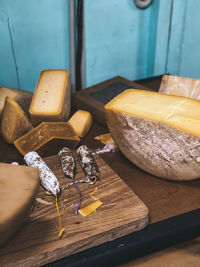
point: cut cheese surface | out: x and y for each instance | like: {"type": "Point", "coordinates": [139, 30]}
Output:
{"type": "Point", "coordinates": [47, 136]}
{"type": "Point", "coordinates": [18, 187]}
{"type": "Point", "coordinates": [90, 208]}
{"type": "Point", "coordinates": [81, 122]}
{"type": "Point", "coordinates": [159, 133]}
{"type": "Point", "coordinates": [180, 112]}
{"type": "Point", "coordinates": [15, 122]}
{"type": "Point", "coordinates": [52, 97]}
{"type": "Point", "coordinates": [23, 98]}
{"type": "Point", "coordinates": [180, 86]}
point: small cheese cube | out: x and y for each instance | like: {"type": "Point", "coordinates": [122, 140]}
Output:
{"type": "Point", "coordinates": [52, 97]}
{"type": "Point", "coordinates": [15, 121]}
{"type": "Point", "coordinates": [81, 122]}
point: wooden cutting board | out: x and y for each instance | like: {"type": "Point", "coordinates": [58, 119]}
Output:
{"type": "Point", "coordinates": [37, 242]}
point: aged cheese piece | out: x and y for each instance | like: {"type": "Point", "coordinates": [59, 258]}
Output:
{"type": "Point", "coordinates": [14, 122]}
{"type": "Point", "coordinates": [47, 137]}
{"type": "Point", "coordinates": [81, 122]}
{"type": "Point", "coordinates": [18, 187]}
{"type": "Point", "coordinates": [52, 97]}
{"type": "Point", "coordinates": [23, 98]}
{"type": "Point", "coordinates": [181, 86]}
{"type": "Point", "coordinates": [157, 132]}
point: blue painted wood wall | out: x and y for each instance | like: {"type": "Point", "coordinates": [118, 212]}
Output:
{"type": "Point", "coordinates": [120, 39]}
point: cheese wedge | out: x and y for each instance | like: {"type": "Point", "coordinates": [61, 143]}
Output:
{"type": "Point", "coordinates": [52, 97]}
{"type": "Point", "coordinates": [47, 138]}
{"type": "Point", "coordinates": [23, 98]}
{"type": "Point", "coordinates": [181, 86]}
{"type": "Point", "coordinates": [15, 121]}
{"type": "Point", "coordinates": [18, 187]}
{"type": "Point", "coordinates": [81, 122]}
{"type": "Point", "coordinates": [159, 133]}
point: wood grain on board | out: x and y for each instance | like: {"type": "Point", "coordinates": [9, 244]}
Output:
{"type": "Point", "coordinates": [37, 242]}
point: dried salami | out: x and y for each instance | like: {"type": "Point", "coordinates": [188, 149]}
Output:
{"type": "Point", "coordinates": [67, 162]}
{"type": "Point", "coordinates": [47, 177]}
{"type": "Point", "coordinates": [88, 164]}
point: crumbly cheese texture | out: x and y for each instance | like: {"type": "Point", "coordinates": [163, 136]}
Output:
{"type": "Point", "coordinates": [52, 97]}
{"type": "Point", "coordinates": [159, 133]}
{"type": "Point", "coordinates": [47, 136]}
{"type": "Point", "coordinates": [14, 122]}
{"type": "Point", "coordinates": [23, 98]}
{"type": "Point", "coordinates": [18, 187]}
{"type": "Point", "coordinates": [81, 122]}
{"type": "Point", "coordinates": [180, 86]}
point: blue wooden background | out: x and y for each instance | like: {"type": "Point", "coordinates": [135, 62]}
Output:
{"type": "Point", "coordinates": [120, 39]}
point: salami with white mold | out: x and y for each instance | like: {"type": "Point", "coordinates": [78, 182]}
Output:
{"type": "Point", "coordinates": [67, 162]}
{"type": "Point", "coordinates": [47, 177]}
{"type": "Point", "coordinates": [88, 164]}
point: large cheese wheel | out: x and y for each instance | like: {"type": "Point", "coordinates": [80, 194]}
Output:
{"type": "Point", "coordinates": [159, 133]}
{"type": "Point", "coordinates": [18, 187]}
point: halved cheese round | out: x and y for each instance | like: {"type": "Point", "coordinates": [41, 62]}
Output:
{"type": "Point", "coordinates": [18, 187]}
{"type": "Point", "coordinates": [159, 133]}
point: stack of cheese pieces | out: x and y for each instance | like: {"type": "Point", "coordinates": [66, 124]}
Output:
{"type": "Point", "coordinates": [157, 132]}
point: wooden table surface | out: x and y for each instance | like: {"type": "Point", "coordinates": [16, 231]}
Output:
{"type": "Point", "coordinates": [165, 199]}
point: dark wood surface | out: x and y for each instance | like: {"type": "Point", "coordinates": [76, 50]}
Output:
{"type": "Point", "coordinates": [165, 199]}
{"type": "Point", "coordinates": [37, 242]}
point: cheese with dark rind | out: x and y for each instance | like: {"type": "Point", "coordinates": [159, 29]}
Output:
{"type": "Point", "coordinates": [52, 97]}
{"type": "Point", "coordinates": [81, 122]}
{"type": "Point", "coordinates": [14, 122]}
{"type": "Point", "coordinates": [158, 133]}
{"type": "Point", "coordinates": [18, 187]}
{"type": "Point", "coordinates": [23, 98]}
{"type": "Point", "coordinates": [180, 86]}
{"type": "Point", "coordinates": [47, 137]}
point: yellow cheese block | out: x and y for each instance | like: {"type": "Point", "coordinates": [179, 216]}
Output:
{"type": "Point", "coordinates": [180, 86]}
{"type": "Point", "coordinates": [23, 98]}
{"type": "Point", "coordinates": [90, 208]}
{"type": "Point", "coordinates": [14, 122]}
{"type": "Point", "coordinates": [157, 132]}
{"type": "Point", "coordinates": [81, 122]}
{"type": "Point", "coordinates": [47, 137]}
{"type": "Point", "coordinates": [52, 97]}
{"type": "Point", "coordinates": [18, 187]}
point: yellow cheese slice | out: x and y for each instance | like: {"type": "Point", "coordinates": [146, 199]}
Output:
{"type": "Point", "coordinates": [157, 132]}
{"type": "Point", "coordinates": [52, 97]}
{"type": "Point", "coordinates": [14, 122]}
{"type": "Point", "coordinates": [18, 187]}
{"type": "Point", "coordinates": [90, 208]}
{"type": "Point", "coordinates": [81, 122]}
{"type": "Point", "coordinates": [23, 98]}
{"type": "Point", "coordinates": [104, 138]}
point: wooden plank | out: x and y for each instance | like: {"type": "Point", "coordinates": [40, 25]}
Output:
{"type": "Point", "coordinates": [38, 243]}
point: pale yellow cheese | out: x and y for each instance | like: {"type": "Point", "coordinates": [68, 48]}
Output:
{"type": "Point", "coordinates": [47, 137]}
{"type": "Point", "coordinates": [23, 98]}
{"type": "Point", "coordinates": [15, 121]}
{"type": "Point", "coordinates": [180, 86]}
{"type": "Point", "coordinates": [159, 133]}
{"type": "Point", "coordinates": [180, 112]}
{"type": "Point", "coordinates": [81, 122]}
{"type": "Point", "coordinates": [18, 187]}
{"type": "Point", "coordinates": [90, 208]}
{"type": "Point", "coordinates": [52, 97]}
